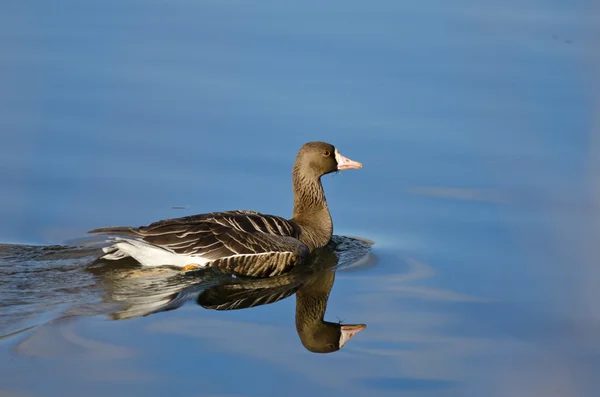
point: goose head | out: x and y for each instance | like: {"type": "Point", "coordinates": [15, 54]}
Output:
{"type": "Point", "coordinates": [316, 159]}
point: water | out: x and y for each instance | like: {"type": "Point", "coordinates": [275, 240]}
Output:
{"type": "Point", "coordinates": [476, 123]}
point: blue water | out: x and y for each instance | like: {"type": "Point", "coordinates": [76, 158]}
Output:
{"type": "Point", "coordinates": [476, 123]}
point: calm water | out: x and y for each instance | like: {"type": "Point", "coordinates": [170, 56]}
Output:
{"type": "Point", "coordinates": [477, 123]}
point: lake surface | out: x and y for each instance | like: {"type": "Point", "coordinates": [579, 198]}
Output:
{"type": "Point", "coordinates": [477, 123]}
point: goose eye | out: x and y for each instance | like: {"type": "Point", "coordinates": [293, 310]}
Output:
{"type": "Point", "coordinates": [326, 153]}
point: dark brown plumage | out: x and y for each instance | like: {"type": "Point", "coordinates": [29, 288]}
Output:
{"type": "Point", "coordinates": [242, 242]}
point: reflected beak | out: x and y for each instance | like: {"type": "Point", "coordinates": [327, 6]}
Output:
{"type": "Point", "coordinates": [348, 331]}
{"type": "Point", "coordinates": [345, 163]}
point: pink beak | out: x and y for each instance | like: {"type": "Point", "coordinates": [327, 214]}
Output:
{"type": "Point", "coordinates": [348, 331]}
{"type": "Point", "coordinates": [345, 163]}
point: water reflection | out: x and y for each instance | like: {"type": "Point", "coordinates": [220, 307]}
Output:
{"type": "Point", "coordinates": [149, 291]}
{"type": "Point", "coordinates": [312, 290]}
{"type": "Point", "coordinates": [38, 279]}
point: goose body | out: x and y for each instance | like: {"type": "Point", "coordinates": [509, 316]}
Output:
{"type": "Point", "coordinates": [240, 241]}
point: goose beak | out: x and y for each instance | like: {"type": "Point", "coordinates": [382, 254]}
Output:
{"type": "Point", "coordinates": [345, 163]}
{"type": "Point", "coordinates": [348, 331]}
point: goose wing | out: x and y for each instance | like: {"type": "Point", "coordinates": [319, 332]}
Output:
{"type": "Point", "coordinates": [245, 242]}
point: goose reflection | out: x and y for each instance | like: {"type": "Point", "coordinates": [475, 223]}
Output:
{"type": "Point", "coordinates": [312, 288]}
{"type": "Point", "coordinates": [151, 291]}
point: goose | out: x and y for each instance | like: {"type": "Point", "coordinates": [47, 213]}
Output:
{"type": "Point", "coordinates": [241, 242]}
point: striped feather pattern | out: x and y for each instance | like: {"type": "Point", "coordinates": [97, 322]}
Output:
{"type": "Point", "coordinates": [243, 242]}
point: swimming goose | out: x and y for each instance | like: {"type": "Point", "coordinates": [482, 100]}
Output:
{"type": "Point", "coordinates": [242, 242]}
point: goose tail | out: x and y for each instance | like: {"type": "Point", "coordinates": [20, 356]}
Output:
{"type": "Point", "coordinates": [122, 230]}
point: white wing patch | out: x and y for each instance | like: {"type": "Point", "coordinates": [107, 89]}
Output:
{"type": "Point", "coordinates": [149, 255]}
{"type": "Point", "coordinates": [153, 256]}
